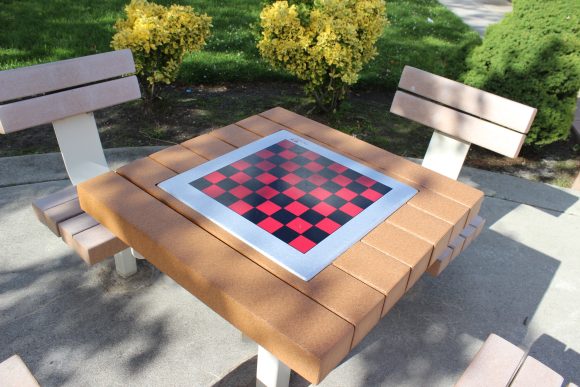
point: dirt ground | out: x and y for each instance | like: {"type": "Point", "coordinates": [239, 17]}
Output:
{"type": "Point", "coordinates": [187, 111]}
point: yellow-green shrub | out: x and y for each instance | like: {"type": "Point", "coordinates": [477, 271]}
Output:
{"type": "Point", "coordinates": [323, 42]}
{"type": "Point", "coordinates": [159, 37]}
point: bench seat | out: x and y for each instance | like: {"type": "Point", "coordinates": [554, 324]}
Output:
{"type": "Point", "coordinates": [15, 373]}
{"type": "Point", "coordinates": [62, 214]}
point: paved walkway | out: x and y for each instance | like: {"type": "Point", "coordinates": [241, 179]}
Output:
{"type": "Point", "coordinates": [76, 325]}
{"type": "Point", "coordinates": [479, 14]}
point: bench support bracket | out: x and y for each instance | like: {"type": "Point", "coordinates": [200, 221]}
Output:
{"type": "Point", "coordinates": [125, 263]}
{"type": "Point", "coordinates": [445, 155]}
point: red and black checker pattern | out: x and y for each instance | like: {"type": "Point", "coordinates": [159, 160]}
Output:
{"type": "Point", "coordinates": [293, 193]}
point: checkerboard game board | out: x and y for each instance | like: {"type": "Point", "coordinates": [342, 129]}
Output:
{"type": "Point", "coordinates": [296, 202]}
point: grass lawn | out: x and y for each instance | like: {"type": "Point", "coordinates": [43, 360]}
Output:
{"type": "Point", "coordinates": [421, 33]}
{"type": "Point", "coordinates": [228, 80]}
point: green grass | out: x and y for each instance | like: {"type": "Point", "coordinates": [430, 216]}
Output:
{"type": "Point", "coordinates": [38, 31]}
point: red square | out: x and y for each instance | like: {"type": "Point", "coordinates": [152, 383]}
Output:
{"type": "Point", "coordinates": [241, 207]}
{"type": "Point", "coordinates": [267, 192]}
{"type": "Point", "coordinates": [317, 179]}
{"type": "Point", "coordinates": [266, 178]}
{"type": "Point", "coordinates": [351, 209]}
{"type": "Point", "coordinates": [371, 194]}
{"type": "Point", "coordinates": [292, 179]}
{"type": "Point", "coordinates": [265, 165]}
{"type": "Point", "coordinates": [215, 177]}
{"type": "Point", "coordinates": [366, 181]}
{"type": "Point", "coordinates": [290, 166]}
{"type": "Point", "coordinates": [240, 177]}
{"type": "Point", "coordinates": [320, 193]}
{"type": "Point", "coordinates": [271, 225]}
{"type": "Point", "coordinates": [213, 191]}
{"type": "Point", "coordinates": [302, 244]}
{"type": "Point", "coordinates": [299, 225]}
{"type": "Point", "coordinates": [286, 144]}
{"type": "Point", "coordinates": [296, 208]}
{"type": "Point", "coordinates": [327, 225]}
{"type": "Point", "coordinates": [268, 207]}
{"type": "Point", "coordinates": [241, 165]}
{"type": "Point", "coordinates": [240, 191]}
{"type": "Point", "coordinates": [342, 180]}
{"type": "Point", "coordinates": [265, 154]}
{"type": "Point", "coordinates": [338, 168]}
{"type": "Point", "coordinates": [314, 166]}
{"type": "Point", "coordinates": [287, 154]}
{"type": "Point", "coordinates": [324, 208]}
{"type": "Point", "coordinates": [310, 155]}
{"type": "Point", "coordinates": [294, 193]}
{"type": "Point", "coordinates": [346, 194]}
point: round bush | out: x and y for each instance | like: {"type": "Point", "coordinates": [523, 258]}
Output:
{"type": "Point", "coordinates": [323, 42]}
{"type": "Point", "coordinates": [533, 56]}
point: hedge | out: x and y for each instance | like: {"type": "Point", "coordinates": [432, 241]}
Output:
{"type": "Point", "coordinates": [533, 56]}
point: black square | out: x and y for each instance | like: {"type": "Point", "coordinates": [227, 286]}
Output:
{"type": "Point", "coordinates": [298, 149]}
{"type": "Point", "coordinates": [275, 148]}
{"type": "Point", "coordinates": [227, 199]}
{"type": "Point", "coordinates": [335, 201]}
{"type": "Point", "coordinates": [309, 200]}
{"type": "Point", "coordinates": [228, 170]}
{"type": "Point", "coordinates": [278, 172]}
{"type": "Point", "coordinates": [339, 217]}
{"type": "Point", "coordinates": [281, 200]}
{"type": "Point", "coordinates": [362, 202]}
{"type": "Point", "coordinates": [316, 235]}
{"type": "Point", "coordinates": [331, 186]}
{"type": "Point", "coordinates": [356, 187]}
{"type": "Point", "coordinates": [286, 234]}
{"type": "Point", "coordinates": [280, 185]}
{"type": "Point", "coordinates": [353, 175]}
{"type": "Point", "coordinates": [227, 184]}
{"type": "Point", "coordinates": [306, 186]}
{"type": "Point", "coordinates": [200, 184]}
{"type": "Point", "coordinates": [253, 184]}
{"type": "Point", "coordinates": [312, 216]}
{"type": "Point", "coordinates": [303, 173]}
{"type": "Point", "coordinates": [255, 216]}
{"type": "Point", "coordinates": [329, 174]}
{"type": "Point", "coordinates": [253, 159]}
{"type": "Point", "coordinates": [284, 216]}
{"type": "Point", "coordinates": [300, 160]}
{"type": "Point", "coordinates": [277, 160]}
{"type": "Point", "coordinates": [381, 188]}
{"type": "Point", "coordinates": [253, 171]}
{"type": "Point", "coordinates": [254, 199]}
{"type": "Point", "coordinates": [324, 161]}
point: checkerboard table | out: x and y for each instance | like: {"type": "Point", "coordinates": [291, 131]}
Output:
{"type": "Point", "coordinates": [299, 189]}
{"type": "Point", "coordinates": [298, 203]}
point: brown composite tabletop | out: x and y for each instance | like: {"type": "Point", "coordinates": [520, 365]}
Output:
{"type": "Point", "coordinates": [310, 326]}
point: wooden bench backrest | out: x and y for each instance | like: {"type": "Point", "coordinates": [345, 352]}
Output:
{"type": "Point", "coordinates": [462, 112]}
{"type": "Point", "coordinates": [45, 93]}
{"type": "Point", "coordinates": [65, 93]}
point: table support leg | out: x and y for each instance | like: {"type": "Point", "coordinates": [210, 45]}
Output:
{"type": "Point", "coordinates": [271, 371]}
{"type": "Point", "coordinates": [125, 263]}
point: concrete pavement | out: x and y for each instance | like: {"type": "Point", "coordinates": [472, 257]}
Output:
{"type": "Point", "coordinates": [76, 325]}
{"type": "Point", "coordinates": [479, 14]}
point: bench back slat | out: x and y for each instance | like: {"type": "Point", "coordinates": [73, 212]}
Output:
{"type": "Point", "coordinates": [45, 109]}
{"type": "Point", "coordinates": [488, 106]}
{"type": "Point", "coordinates": [458, 124]}
{"type": "Point", "coordinates": [44, 78]}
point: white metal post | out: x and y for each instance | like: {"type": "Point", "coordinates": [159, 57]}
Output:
{"type": "Point", "coordinates": [445, 155]}
{"type": "Point", "coordinates": [125, 263]}
{"type": "Point", "coordinates": [271, 371]}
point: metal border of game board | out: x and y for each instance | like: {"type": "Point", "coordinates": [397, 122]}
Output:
{"type": "Point", "coordinates": [304, 265]}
